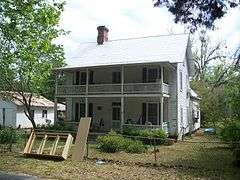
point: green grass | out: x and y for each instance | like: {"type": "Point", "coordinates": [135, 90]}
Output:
{"type": "Point", "coordinates": [180, 161]}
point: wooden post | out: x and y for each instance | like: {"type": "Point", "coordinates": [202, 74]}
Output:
{"type": "Point", "coordinates": [86, 98]}
{"type": "Point", "coordinates": [122, 113]}
{"type": "Point", "coordinates": [162, 78]}
{"type": "Point", "coordinates": [161, 118]}
{"type": "Point", "coordinates": [122, 79]}
{"type": "Point", "coordinates": [86, 107]}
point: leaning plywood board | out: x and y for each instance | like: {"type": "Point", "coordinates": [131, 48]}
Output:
{"type": "Point", "coordinates": [81, 139]}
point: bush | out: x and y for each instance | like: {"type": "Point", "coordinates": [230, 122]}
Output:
{"type": "Point", "coordinates": [147, 134]}
{"type": "Point", "coordinates": [110, 143]}
{"type": "Point", "coordinates": [132, 146]}
{"type": "Point", "coordinates": [8, 136]}
{"type": "Point", "coordinates": [231, 131]}
{"type": "Point", "coordinates": [57, 127]}
{"type": "Point", "coordinates": [113, 142]}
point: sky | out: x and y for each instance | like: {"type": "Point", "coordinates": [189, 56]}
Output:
{"type": "Point", "coordinates": [132, 18]}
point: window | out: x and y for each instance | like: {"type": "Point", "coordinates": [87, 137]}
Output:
{"type": "Point", "coordinates": [116, 113]}
{"type": "Point", "coordinates": [152, 74]}
{"type": "Point", "coordinates": [44, 113]}
{"type": "Point", "coordinates": [116, 110]}
{"type": "Point", "coordinates": [77, 74]}
{"type": "Point", "coordinates": [181, 81]}
{"type": "Point", "coordinates": [116, 77]}
{"type": "Point", "coordinates": [83, 78]}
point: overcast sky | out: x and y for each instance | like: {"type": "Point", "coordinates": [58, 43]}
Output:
{"type": "Point", "coordinates": [131, 18]}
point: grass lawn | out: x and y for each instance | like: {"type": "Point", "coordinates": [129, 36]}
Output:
{"type": "Point", "coordinates": [180, 161]}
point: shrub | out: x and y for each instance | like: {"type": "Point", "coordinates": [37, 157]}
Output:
{"type": "Point", "coordinates": [135, 146]}
{"type": "Point", "coordinates": [231, 131]}
{"type": "Point", "coordinates": [113, 142]}
{"type": "Point", "coordinates": [8, 136]}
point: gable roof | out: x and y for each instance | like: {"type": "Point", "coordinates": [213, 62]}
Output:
{"type": "Point", "coordinates": [37, 100]}
{"type": "Point", "coordinates": [152, 49]}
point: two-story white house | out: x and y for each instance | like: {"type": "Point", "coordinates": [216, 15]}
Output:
{"type": "Point", "coordinates": [141, 82]}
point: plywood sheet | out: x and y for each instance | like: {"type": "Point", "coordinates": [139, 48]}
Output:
{"type": "Point", "coordinates": [81, 139]}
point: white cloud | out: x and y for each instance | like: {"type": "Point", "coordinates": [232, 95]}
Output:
{"type": "Point", "coordinates": [129, 18]}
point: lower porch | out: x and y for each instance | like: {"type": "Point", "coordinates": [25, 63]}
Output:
{"type": "Point", "coordinates": [118, 112]}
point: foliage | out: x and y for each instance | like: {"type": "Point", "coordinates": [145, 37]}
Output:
{"type": "Point", "coordinates": [113, 142]}
{"type": "Point", "coordinates": [57, 127]}
{"type": "Point", "coordinates": [231, 131]}
{"type": "Point", "coordinates": [8, 136]}
{"type": "Point", "coordinates": [197, 13]}
{"type": "Point", "coordinates": [27, 54]}
{"type": "Point", "coordinates": [147, 136]}
{"type": "Point", "coordinates": [134, 146]}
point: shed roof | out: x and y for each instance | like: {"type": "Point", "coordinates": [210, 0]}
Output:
{"type": "Point", "coordinates": [152, 49]}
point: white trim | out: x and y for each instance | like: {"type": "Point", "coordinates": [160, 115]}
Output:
{"type": "Point", "coordinates": [114, 95]}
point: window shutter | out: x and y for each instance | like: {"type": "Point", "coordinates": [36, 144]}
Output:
{"type": "Point", "coordinates": [144, 75]}
{"type": "Point", "coordinates": [91, 77]}
{"type": "Point", "coordinates": [77, 74]}
{"type": "Point", "coordinates": [144, 113]}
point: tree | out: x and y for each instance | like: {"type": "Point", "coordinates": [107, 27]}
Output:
{"type": "Point", "coordinates": [27, 54]}
{"type": "Point", "coordinates": [197, 13]}
{"type": "Point", "coordinates": [206, 55]}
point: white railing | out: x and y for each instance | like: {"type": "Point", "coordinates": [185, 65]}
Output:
{"type": "Point", "coordinates": [104, 88]}
{"type": "Point", "coordinates": [165, 88]}
{"type": "Point", "coordinates": [71, 89]}
{"type": "Point", "coordinates": [142, 88]}
{"type": "Point", "coordinates": [128, 88]}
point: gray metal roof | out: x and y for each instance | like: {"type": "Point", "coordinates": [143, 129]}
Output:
{"type": "Point", "coordinates": [152, 49]}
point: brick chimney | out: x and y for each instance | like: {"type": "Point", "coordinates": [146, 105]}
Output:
{"type": "Point", "coordinates": [102, 34]}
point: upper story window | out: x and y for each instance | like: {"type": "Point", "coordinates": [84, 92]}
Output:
{"type": "Point", "coordinates": [116, 77]}
{"type": "Point", "coordinates": [150, 74]}
{"type": "Point", "coordinates": [181, 81]}
{"type": "Point", "coordinates": [44, 113]}
{"type": "Point", "coordinates": [81, 77]}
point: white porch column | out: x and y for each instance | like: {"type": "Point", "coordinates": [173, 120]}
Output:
{"type": "Point", "coordinates": [122, 113]}
{"type": "Point", "coordinates": [87, 80]}
{"type": "Point", "coordinates": [122, 79]}
{"type": "Point", "coordinates": [86, 106]}
{"type": "Point", "coordinates": [86, 98]}
{"type": "Point", "coordinates": [161, 109]}
{"type": "Point", "coordinates": [161, 78]}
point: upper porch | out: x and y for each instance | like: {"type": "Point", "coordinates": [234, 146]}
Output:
{"type": "Point", "coordinates": [115, 80]}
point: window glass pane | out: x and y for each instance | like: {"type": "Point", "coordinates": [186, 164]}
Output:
{"type": "Point", "coordinates": [83, 78]}
{"type": "Point", "coordinates": [152, 75]}
{"type": "Point", "coordinates": [152, 113]}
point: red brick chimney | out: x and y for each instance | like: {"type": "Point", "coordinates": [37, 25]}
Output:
{"type": "Point", "coordinates": [102, 34]}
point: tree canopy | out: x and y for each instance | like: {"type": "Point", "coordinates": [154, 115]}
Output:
{"type": "Point", "coordinates": [27, 54]}
{"type": "Point", "coordinates": [197, 13]}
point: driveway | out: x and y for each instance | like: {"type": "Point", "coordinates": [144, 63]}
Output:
{"type": "Point", "coordinates": [8, 176]}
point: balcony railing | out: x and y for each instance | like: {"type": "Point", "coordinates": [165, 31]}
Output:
{"type": "Point", "coordinates": [128, 88]}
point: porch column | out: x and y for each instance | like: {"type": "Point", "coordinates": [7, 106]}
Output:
{"type": "Point", "coordinates": [122, 79]}
{"type": "Point", "coordinates": [87, 81]}
{"type": "Point", "coordinates": [86, 98]}
{"type": "Point", "coordinates": [86, 106]}
{"type": "Point", "coordinates": [161, 78]}
{"type": "Point", "coordinates": [122, 113]}
{"type": "Point", "coordinates": [161, 117]}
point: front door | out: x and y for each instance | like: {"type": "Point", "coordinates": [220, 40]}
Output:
{"type": "Point", "coordinates": [116, 115]}
{"type": "Point", "coordinates": [152, 113]}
